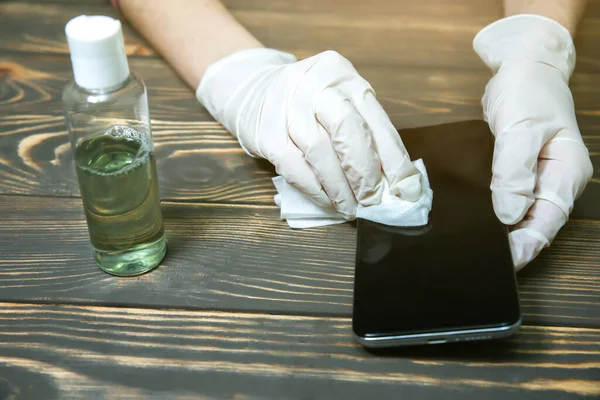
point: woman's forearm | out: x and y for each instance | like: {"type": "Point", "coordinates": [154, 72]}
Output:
{"type": "Point", "coordinates": [189, 34]}
{"type": "Point", "coordinates": [566, 12]}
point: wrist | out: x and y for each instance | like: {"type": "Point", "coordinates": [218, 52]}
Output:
{"type": "Point", "coordinates": [567, 13]}
{"type": "Point", "coordinates": [526, 37]}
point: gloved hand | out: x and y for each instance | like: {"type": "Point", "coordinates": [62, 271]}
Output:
{"type": "Point", "coordinates": [316, 120]}
{"type": "Point", "coordinates": [541, 165]}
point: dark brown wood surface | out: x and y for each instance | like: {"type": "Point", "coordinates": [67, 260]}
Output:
{"type": "Point", "coordinates": [243, 307]}
{"type": "Point", "coordinates": [78, 352]}
{"type": "Point", "coordinates": [264, 266]}
{"type": "Point", "coordinates": [416, 91]}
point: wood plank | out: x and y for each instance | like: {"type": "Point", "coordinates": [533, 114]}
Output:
{"type": "Point", "coordinates": [231, 257]}
{"type": "Point", "coordinates": [405, 34]}
{"type": "Point", "coordinates": [72, 352]}
{"type": "Point", "coordinates": [32, 84]}
{"type": "Point", "coordinates": [198, 159]}
{"type": "Point", "coordinates": [412, 96]}
{"type": "Point", "coordinates": [434, 33]}
{"type": "Point", "coordinates": [39, 28]}
{"type": "Point", "coordinates": [428, 33]}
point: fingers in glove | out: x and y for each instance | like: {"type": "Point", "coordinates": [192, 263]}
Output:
{"type": "Point", "coordinates": [290, 163]}
{"type": "Point", "coordinates": [535, 232]}
{"type": "Point", "coordinates": [402, 175]}
{"type": "Point", "coordinates": [312, 139]}
{"type": "Point", "coordinates": [350, 137]}
{"type": "Point", "coordinates": [564, 169]}
{"type": "Point", "coordinates": [514, 169]}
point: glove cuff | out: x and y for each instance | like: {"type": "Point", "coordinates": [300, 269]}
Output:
{"type": "Point", "coordinates": [224, 87]}
{"type": "Point", "coordinates": [526, 37]}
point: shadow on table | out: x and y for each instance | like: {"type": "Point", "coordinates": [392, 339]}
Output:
{"type": "Point", "coordinates": [187, 220]}
{"type": "Point", "coordinates": [182, 229]}
{"type": "Point", "coordinates": [26, 383]}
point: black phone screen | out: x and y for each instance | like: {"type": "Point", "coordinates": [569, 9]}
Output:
{"type": "Point", "coordinates": [456, 273]}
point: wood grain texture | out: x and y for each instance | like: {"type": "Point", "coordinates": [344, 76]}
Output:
{"type": "Point", "coordinates": [243, 307]}
{"type": "Point", "coordinates": [56, 352]}
{"type": "Point", "coordinates": [198, 159]}
{"type": "Point", "coordinates": [411, 96]}
{"type": "Point", "coordinates": [303, 28]}
{"type": "Point", "coordinates": [426, 33]}
{"type": "Point", "coordinates": [242, 257]}
{"type": "Point", "coordinates": [45, 23]}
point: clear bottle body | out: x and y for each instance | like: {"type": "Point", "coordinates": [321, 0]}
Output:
{"type": "Point", "coordinates": [110, 134]}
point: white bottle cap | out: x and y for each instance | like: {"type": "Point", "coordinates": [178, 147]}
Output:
{"type": "Point", "coordinates": [97, 51]}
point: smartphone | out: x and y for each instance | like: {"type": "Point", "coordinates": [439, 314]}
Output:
{"type": "Point", "coordinates": [453, 279]}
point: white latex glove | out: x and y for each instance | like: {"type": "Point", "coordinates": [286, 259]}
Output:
{"type": "Point", "coordinates": [317, 120]}
{"type": "Point", "coordinates": [541, 165]}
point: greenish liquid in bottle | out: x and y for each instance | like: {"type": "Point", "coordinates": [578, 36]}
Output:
{"type": "Point", "coordinates": [119, 189]}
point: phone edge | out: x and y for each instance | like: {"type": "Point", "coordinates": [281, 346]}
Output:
{"type": "Point", "coordinates": [455, 336]}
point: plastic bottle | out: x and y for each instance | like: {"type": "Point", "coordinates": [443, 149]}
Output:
{"type": "Point", "coordinates": [106, 112]}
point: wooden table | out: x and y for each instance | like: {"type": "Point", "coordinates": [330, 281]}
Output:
{"type": "Point", "coordinates": [243, 307]}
